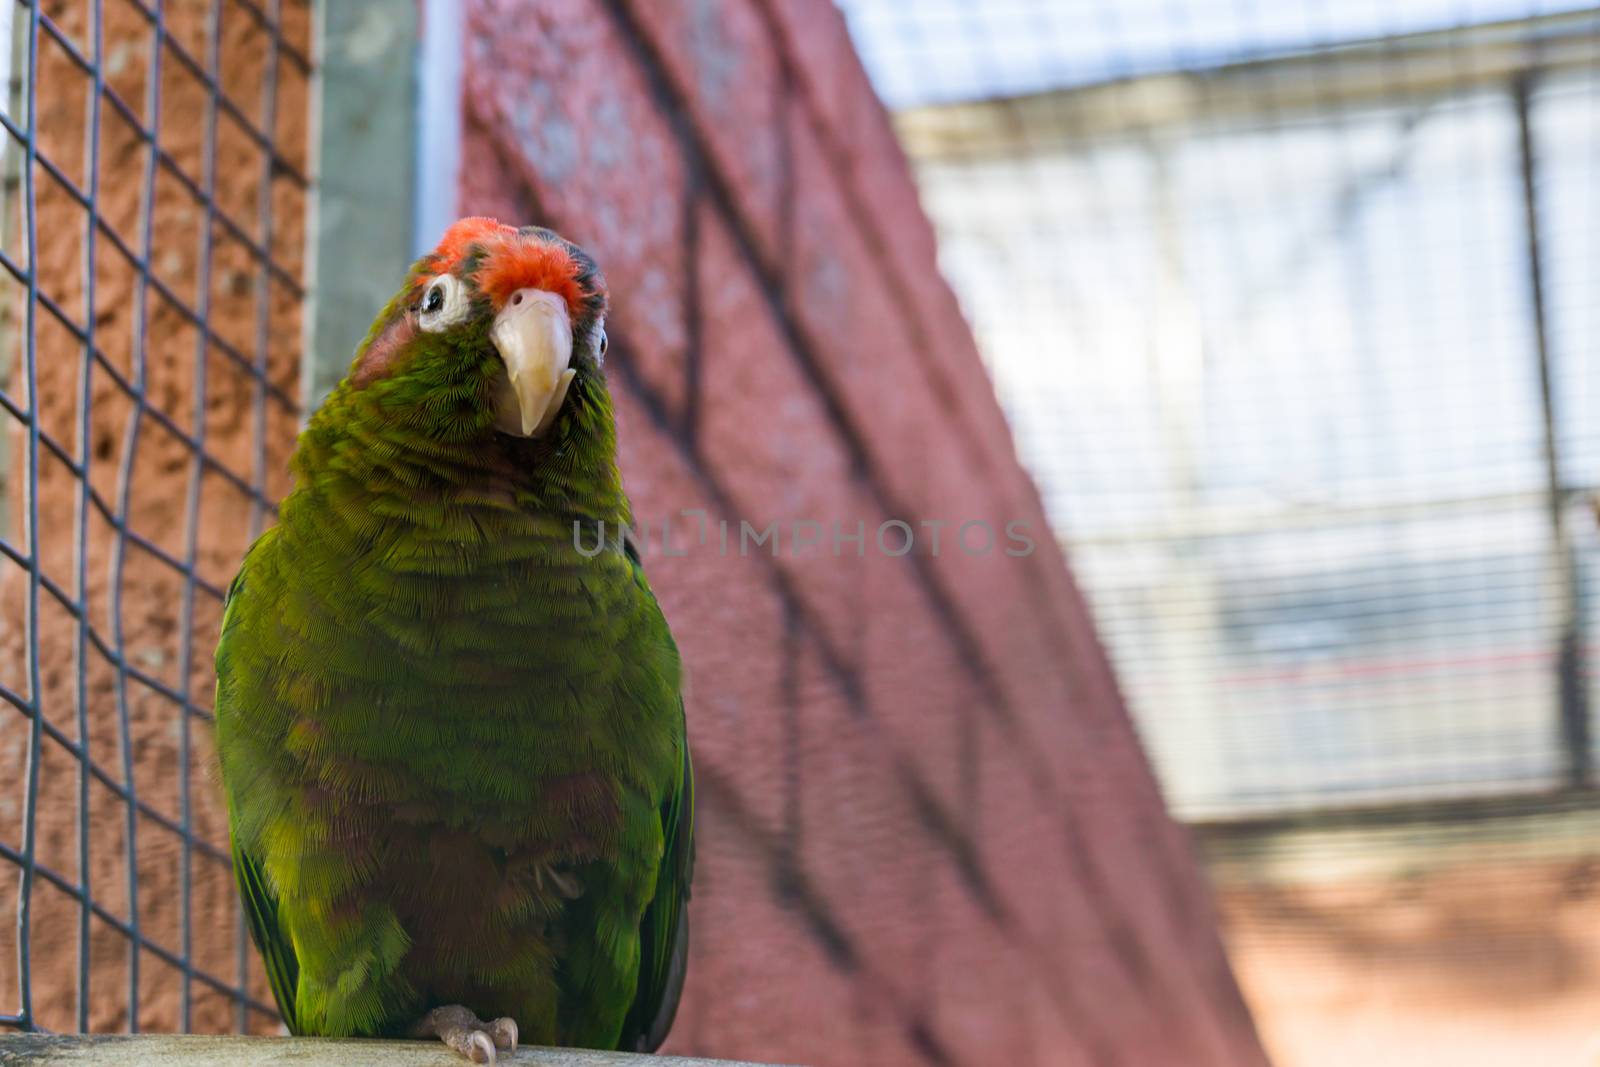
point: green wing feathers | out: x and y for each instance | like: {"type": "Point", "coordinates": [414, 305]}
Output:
{"type": "Point", "coordinates": [261, 916]}
{"type": "Point", "coordinates": [259, 904]}
{"type": "Point", "coordinates": [664, 930]}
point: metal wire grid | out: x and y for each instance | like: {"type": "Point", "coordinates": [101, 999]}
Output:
{"type": "Point", "coordinates": [1116, 188]}
{"type": "Point", "coordinates": [37, 704]}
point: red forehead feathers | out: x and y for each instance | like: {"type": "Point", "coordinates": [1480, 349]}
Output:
{"type": "Point", "coordinates": [529, 263]}
{"type": "Point", "coordinates": [462, 234]}
{"type": "Point", "coordinates": [511, 261]}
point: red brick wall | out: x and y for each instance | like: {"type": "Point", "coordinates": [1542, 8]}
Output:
{"type": "Point", "coordinates": [928, 834]}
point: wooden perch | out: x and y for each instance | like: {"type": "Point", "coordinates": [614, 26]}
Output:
{"type": "Point", "coordinates": [196, 1050]}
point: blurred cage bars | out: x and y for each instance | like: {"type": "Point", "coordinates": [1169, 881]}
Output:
{"type": "Point", "coordinates": [151, 249]}
{"type": "Point", "coordinates": [1296, 321]}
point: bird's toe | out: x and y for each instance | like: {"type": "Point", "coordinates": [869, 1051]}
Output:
{"type": "Point", "coordinates": [504, 1032]}
{"type": "Point", "coordinates": [466, 1034]}
{"type": "Point", "coordinates": [480, 1048]}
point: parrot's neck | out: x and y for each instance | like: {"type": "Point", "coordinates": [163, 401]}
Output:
{"type": "Point", "coordinates": [377, 477]}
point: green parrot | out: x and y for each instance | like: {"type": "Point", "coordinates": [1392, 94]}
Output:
{"type": "Point", "coordinates": [450, 727]}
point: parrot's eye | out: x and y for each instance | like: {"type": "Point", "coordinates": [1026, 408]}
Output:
{"type": "Point", "coordinates": [444, 303]}
{"type": "Point", "coordinates": [602, 344]}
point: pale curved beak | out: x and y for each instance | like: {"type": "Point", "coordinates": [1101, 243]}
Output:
{"type": "Point", "coordinates": [533, 334]}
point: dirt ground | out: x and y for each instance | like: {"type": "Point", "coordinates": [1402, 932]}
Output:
{"type": "Point", "coordinates": [1389, 953]}
{"type": "Point", "coordinates": [162, 473]}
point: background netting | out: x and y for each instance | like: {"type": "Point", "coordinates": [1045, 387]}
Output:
{"type": "Point", "coordinates": [1294, 309]}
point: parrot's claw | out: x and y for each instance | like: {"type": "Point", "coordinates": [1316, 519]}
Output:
{"type": "Point", "coordinates": [479, 1048]}
{"type": "Point", "coordinates": [467, 1034]}
{"type": "Point", "coordinates": [504, 1032]}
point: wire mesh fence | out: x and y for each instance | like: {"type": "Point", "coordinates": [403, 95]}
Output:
{"type": "Point", "coordinates": [155, 164]}
{"type": "Point", "coordinates": [1294, 313]}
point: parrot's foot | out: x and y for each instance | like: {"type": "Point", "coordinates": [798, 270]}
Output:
{"type": "Point", "coordinates": [467, 1034]}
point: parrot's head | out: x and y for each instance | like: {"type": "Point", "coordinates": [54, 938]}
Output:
{"type": "Point", "coordinates": [496, 331]}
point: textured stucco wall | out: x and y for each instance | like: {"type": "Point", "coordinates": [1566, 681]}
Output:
{"type": "Point", "coordinates": [928, 833]}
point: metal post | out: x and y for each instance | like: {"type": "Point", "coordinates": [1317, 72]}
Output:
{"type": "Point", "coordinates": [1573, 721]}
{"type": "Point", "coordinates": [362, 214]}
